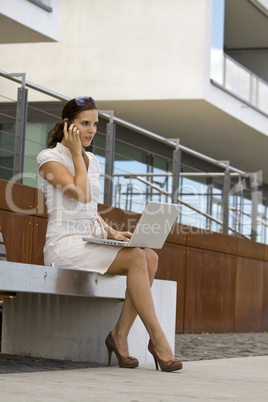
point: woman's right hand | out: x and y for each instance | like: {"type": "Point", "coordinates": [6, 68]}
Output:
{"type": "Point", "coordinates": [72, 138]}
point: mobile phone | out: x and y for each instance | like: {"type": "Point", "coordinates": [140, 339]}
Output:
{"type": "Point", "coordinates": [68, 124]}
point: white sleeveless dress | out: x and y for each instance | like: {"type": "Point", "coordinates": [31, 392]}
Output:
{"type": "Point", "coordinates": [70, 220]}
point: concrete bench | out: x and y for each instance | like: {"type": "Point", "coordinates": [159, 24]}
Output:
{"type": "Point", "coordinates": [66, 314]}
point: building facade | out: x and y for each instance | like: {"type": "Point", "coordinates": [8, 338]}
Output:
{"type": "Point", "coordinates": [192, 72]}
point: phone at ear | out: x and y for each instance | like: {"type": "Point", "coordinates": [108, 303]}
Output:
{"type": "Point", "coordinates": [68, 124]}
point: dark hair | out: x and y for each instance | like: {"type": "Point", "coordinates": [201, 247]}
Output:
{"type": "Point", "coordinates": [68, 112]}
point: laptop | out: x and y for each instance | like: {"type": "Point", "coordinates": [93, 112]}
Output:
{"type": "Point", "coordinates": [152, 229]}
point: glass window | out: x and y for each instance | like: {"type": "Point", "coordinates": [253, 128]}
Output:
{"type": "Point", "coordinates": [7, 139]}
{"type": "Point", "coordinates": [217, 41]}
{"type": "Point", "coordinates": [130, 159]}
{"type": "Point", "coordinates": [237, 79]}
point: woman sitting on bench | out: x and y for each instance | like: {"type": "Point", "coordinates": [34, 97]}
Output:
{"type": "Point", "coordinates": [69, 179]}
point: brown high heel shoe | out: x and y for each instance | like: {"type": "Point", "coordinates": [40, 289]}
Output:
{"type": "Point", "coordinates": [170, 365]}
{"type": "Point", "coordinates": [123, 361]}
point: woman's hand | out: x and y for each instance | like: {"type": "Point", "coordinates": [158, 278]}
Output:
{"type": "Point", "coordinates": [72, 138]}
{"type": "Point", "coordinates": [58, 175]}
{"type": "Point", "coordinates": [116, 235]}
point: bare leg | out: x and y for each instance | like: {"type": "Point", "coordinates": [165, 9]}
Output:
{"type": "Point", "coordinates": [133, 263]}
{"type": "Point", "coordinates": [129, 313]}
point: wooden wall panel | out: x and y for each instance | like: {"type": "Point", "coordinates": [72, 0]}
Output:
{"type": "Point", "coordinates": [129, 220]}
{"type": "Point", "coordinates": [39, 238]}
{"type": "Point", "coordinates": [249, 295]}
{"type": "Point", "coordinates": [250, 249]}
{"type": "Point", "coordinates": [212, 241]}
{"type": "Point", "coordinates": [222, 280]}
{"type": "Point", "coordinates": [17, 233]}
{"type": "Point", "coordinates": [172, 267]}
{"type": "Point", "coordinates": [210, 291]}
{"type": "Point", "coordinates": [266, 252]}
{"type": "Point", "coordinates": [40, 204]}
{"type": "Point", "coordinates": [112, 216]}
{"type": "Point", "coordinates": [17, 197]}
{"type": "Point", "coordinates": [178, 234]}
{"type": "Point", "coordinates": [265, 298]}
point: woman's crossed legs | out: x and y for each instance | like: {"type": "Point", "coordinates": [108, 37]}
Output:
{"type": "Point", "coordinates": [139, 265]}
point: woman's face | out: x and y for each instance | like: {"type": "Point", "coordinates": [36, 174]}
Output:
{"type": "Point", "coordinates": [86, 122]}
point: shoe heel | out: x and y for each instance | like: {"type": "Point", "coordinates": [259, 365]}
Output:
{"type": "Point", "coordinates": [170, 365]}
{"type": "Point", "coordinates": [109, 355]}
{"type": "Point", "coordinates": [123, 361]}
{"type": "Point", "coordinates": [156, 363]}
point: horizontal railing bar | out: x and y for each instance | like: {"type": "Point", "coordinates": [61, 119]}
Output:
{"type": "Point", "coordinates": [8, 115]}
{"type": "Point", "coordinates": [43, 90]}
{"type": "Point", "coordinates": [34, 86]}
{"type": "Point", "coordinates": [7, 133]}
{"type": "Point", "coordinates": [7, 151]}
{"type": "Point", "coordinates": [43, 111]}
{"type": "Point", "coordinates": [249, 215]}
{"type": "Point", "coordinates": [10, 99]}
{"type": "Point", "coordinates": [169, 174]}
{"type": "Point", "coordinates": [6, 168]}
{"type": "Point", "coordinates": [42, 5]}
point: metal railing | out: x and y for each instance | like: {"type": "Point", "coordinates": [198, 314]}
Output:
{"type": "Point", "coordinates": [139, 176]}
{"type": "Point", "coordinates": [109, 188]}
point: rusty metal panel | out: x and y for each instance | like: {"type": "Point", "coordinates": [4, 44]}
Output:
{"type": "Point", "coordinates": [39, 238]}
{"type": "Point", "coordinates": [265, 252]}
{"type": "Point", "coordinates": [212, 241]}
{"type": "Point", "coordinates": [17, 197]}
{"type": "Point", "coordinates": [251, 249]}
{"type": "Point", "coordinates": [111, 215]}
{"type": "Point", "coordinates": [265, 298]}
{"type": "Point", "coordinates": [17, 232]}
{"type": "Point", "coordinates": [172, 267]}
{"type": "Point", "coordinates": [40, 204]}
{"type": "Point", "coordinates": [178, 234]}
{"type": "Point", "coordinates": [129, 220]}
{"type": "Point", "coordinates": [249, 295]}
{"type": "Point", "coordinates": [210, 291]}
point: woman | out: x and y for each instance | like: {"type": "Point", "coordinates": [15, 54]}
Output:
{"type": "Point", "coordinates": [69, 179]}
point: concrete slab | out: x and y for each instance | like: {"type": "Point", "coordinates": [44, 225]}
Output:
{"type": "Point", "coordinates": [238, 379]}
{"type": "Point", "coordinates": [74, 328]}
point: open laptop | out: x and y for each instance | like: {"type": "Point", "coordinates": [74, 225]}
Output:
{"type": "Point", "coordinates": [152, 229]}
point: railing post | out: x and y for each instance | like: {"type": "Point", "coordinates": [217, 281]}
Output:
{"type": "Point", "coordinates": [256, 196]}
{"type": "Point", "coordinates": [109, 162]}
{"type": "Point", "coordinates": [209, 202]}
{"type": "Point", "coordinates": [225, 199]}
{"type": "Point", "coordinates": [129, 194]}
{"type": "Point", "coordinates": [20, 131]}
{"type": "Point", "coordinates": [176, 173]}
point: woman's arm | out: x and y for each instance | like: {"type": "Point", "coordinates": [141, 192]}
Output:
{"type": "Point", "coordinates": [78, 186]}
{"type": "Point", "coordinates": [115, 234]}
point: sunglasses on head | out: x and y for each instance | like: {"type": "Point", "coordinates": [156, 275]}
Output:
{"type": "Point", "coordinates": [81, 101]}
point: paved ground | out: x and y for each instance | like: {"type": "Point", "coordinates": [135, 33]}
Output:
{"type": "Point", "coordinates": [219, 346]}
{"type": "Point", "coordinates": [208, 375]}
{"type": "Point", "coordinates": [237, 379]}
{"type": "Point", "coordinates": [189, 347]}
